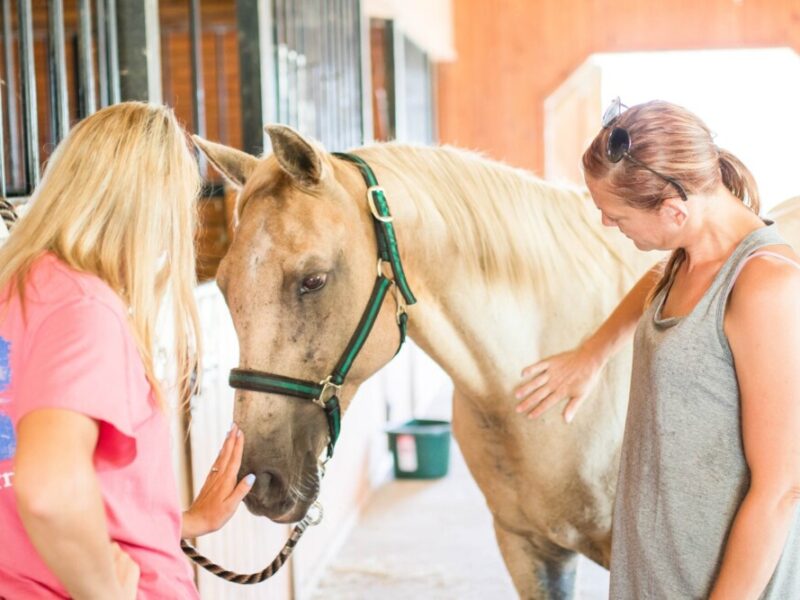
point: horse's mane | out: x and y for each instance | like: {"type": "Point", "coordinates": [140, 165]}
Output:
{"type": "Point", "coordinates": [509, 225]}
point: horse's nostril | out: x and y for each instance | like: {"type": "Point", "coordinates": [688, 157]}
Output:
{"type": "Point", "coordinates": [271, 482]}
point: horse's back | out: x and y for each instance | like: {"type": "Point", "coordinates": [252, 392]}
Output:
{"type": "Point", "coordinates": [787, 217]}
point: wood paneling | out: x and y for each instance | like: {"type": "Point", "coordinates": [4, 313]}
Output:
{"type": "Point", "coordinates": [513, 53]}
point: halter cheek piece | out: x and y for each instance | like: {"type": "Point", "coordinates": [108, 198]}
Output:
{"type": "Point", "coordinates": [326, 393]}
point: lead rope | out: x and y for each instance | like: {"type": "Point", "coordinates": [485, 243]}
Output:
{"type": "Point", "coordinates": [271, 569]}
{"type": "Point", "coordinates": [313, 517]}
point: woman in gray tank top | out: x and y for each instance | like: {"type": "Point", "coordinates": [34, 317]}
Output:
{"type": "Point", "coordinates": [709, 482]}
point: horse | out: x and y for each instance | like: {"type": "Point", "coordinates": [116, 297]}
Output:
{"type": "Point", "coordinates": [506, 269]}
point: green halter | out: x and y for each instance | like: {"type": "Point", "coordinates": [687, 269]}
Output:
{"type": "Point", "coordinates": [326, 392]}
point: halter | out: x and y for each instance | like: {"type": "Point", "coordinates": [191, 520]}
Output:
{"type": "Point", "coordinates": [325, 394]}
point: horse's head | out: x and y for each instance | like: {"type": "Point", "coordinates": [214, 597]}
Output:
{"type": "Point", "coordinates": [296, 279]}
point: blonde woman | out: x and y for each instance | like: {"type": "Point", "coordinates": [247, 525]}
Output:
{"type": "Point", "coordinates": [708, 498]}
{"type": "Point", "coordinates": [88, 501]}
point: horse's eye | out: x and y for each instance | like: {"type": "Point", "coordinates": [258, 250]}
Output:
{"type": "Point", "coordinates": [313, 283]}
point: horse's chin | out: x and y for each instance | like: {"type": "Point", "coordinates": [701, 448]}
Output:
{"type": "Point", "coordinates": [286, 510]}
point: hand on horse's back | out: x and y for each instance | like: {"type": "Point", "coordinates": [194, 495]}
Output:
{"type": "Point", "coordinates": [568, 376]}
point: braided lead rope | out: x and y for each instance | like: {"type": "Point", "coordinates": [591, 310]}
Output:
{"type": "Point", "coordinates": [271, 569]}
{"type": "Point", "coordinates": [7, 213]}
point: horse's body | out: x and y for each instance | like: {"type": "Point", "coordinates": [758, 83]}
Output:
{"type": "Point", "coordinates": [506, 269]}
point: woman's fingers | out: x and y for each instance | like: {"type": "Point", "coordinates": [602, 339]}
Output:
{"type": "Point", "coordinates": [236, 456]}
{"type": "Point", "coordinates": [221, 463]}
{"type": "Point", "coordinates": [572, 407]}
{"type": "Point", "coordinates": [545, 404]}
{"type": "Point", "coordinates": [535, 368]}
{"type": "Point", "coordinates": [240, 491]}
{"type": "Point", "coordinates": [526, 389]}
{"type": "Point", "coordinates": [544, 391]}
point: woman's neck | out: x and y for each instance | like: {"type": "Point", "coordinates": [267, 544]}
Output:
{"type": "Point", "coordinates": [721, 222]}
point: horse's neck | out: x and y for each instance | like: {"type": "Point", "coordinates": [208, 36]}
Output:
{"type": "Point", "coordinates": [483, 333]}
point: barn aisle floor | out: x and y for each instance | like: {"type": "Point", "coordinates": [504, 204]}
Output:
{"type": "Point", "coordinates": [430, 540]}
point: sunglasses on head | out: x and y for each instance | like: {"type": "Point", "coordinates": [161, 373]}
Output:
{"type": "Point", "coordinates": [619, 144]}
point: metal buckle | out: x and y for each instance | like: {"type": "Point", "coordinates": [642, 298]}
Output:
{"type": "Point", "coordinates": [401, 303]}
{"type": "Point", "coordinates": [314, 519]}
{"type": "Point", "coordinates": [327, 385]}
{"type": "Point", "coordinates": [374, 209]}
{"type": "Point", "coordinates": [382, 262]}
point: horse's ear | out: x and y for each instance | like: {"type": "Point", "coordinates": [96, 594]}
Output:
{"type": "Point", "coordinates": [234, 164]}
{"type": "Point", "coordinates": [297, 157]}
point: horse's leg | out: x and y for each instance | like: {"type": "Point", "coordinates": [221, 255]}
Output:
{"type": "Point", "coordinates": [539, 569]}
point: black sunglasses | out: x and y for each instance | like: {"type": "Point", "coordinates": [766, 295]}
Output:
{"type": "Point", "coordinates": [619, 144]}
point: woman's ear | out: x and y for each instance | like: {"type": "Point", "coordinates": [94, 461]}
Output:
{"type": "Point", "coordinates": [676, 209]}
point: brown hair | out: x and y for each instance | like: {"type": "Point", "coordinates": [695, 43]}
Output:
{"type": "Point", "coordinates": [677, 144]}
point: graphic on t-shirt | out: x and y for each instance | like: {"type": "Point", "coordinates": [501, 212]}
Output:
{"type": "Point", "coordinates": [8, 440]}
{"type": "Point", "coordinates": [5, 364]}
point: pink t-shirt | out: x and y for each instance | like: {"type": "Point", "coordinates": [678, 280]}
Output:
{"type": "Point", "coordinates": [75, 351]}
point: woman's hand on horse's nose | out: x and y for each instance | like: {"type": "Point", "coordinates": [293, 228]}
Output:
{"type": "Point", "coordinates": [567, 376]}
{"type": "Point", "coordinates": [221, 493]}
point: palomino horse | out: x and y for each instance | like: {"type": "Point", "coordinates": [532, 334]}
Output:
{"type": "Point", "coordinates": [506, 269]}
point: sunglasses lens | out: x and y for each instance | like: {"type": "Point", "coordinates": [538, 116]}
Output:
{"type": "Point", "coordinates": [619, 142]}
{"type": "Point", "coordinates": [612, 112]}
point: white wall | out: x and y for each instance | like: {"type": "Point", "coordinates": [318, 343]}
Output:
{"type": "Point", "coordinates": [749, 98]}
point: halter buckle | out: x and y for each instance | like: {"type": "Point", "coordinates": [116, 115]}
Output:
{"type": "Point", "coordinates": [381, 272]}
{"type": "Point", "coordinates": [327, 386]}
{"type": "Point", "coordinates": [400, 302]}
{"type": "Point", "coordinates": [314, 514]}
{"type": "Point", "coordinates": [371, 191]}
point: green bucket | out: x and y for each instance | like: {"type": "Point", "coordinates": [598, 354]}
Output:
{"type": "Point", "coordinates": [421, 449]}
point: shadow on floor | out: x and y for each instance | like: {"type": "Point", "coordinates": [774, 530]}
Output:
{"type": "Point", "coordinates": [430, 540]}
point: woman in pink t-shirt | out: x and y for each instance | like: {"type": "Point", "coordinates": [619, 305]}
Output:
{"type": "Point", "coordinates": [88, 500]}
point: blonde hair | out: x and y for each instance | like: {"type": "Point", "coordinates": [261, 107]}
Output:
{"type": "Point", "coordinates": [678, 144]}
{"type": "Point", "coordinates": [117, 196]}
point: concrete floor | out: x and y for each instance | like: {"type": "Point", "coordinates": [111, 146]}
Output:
{"type": "Point", "coordinates": [430, 540]}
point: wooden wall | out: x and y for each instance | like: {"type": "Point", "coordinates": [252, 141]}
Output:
{"type": "Point", "coordinates": [513, 53]}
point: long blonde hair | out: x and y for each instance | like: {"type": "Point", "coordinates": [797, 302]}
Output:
{"type": "Point", "coordinates": [118, 200]}
{"type": "Point", "coordinates": [678, 144]}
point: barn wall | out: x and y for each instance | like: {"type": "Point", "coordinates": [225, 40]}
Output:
{"type": "Point", "coordinates": [511, 54]}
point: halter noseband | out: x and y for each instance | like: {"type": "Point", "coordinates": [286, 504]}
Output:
{"type": "Point", "coordinates": [325, 394]}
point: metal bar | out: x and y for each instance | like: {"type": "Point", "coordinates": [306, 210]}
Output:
{"type": "Point", "coordinates": [327, 70]}
{"type": "Point", "coordinates": [166, 65]}
{"type": "Point", "coordinates": [199, 96]}
{"type": "Point", "coordinates": [281, 60]}
{"type": "Point", "coordinates": [353, 67]}
{"type": "Point", "coordinates": [86, 91]}
{"type": "Point", "coordinates": [291, 63]}
{"type": "Point", "coordinates": [198, 87]}
{"type": "Point", "coordinates": [222, 91]}
{"type": "Point", "coordinates": [2, 155]}
{"type": "Point", "coordinates": [112, 57]}
{"type": "Point", "coordinates": [29, 107]}
{"type": "Point", "coordinates": [59, 99]}
{"type": "Point", "coordinates": [398, 82]}
{"type": "Point", "coordinates": [102, 52]}
{"type": "Point", "coordinates": [316, 74]}
{"type": "Point", "coordinates": [257, 71]}
{"type": "Point", "coordinates": [364, 76]}
{"type": "Point", "coordinates": [301, 25]}
{"type": "Point", "coordinates": [12, 110]}
{"type": "Point", "coordinates": [336, 56]}
{"type": "Point", "coordinates": [139, 50]}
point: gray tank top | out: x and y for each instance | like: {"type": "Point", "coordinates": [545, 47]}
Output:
{"type": "Point", "coordinates": [683, 472]}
